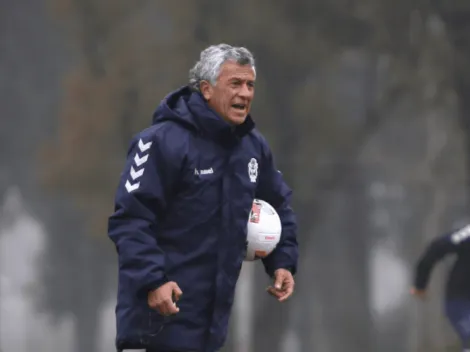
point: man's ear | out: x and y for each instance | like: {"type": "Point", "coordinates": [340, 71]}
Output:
{"type": "Point", "coordinates": [206, 89]}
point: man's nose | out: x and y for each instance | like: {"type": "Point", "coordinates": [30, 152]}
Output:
{"type": "Point", "coordinates": [246, 91]}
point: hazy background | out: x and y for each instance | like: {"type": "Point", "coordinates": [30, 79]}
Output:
{"type": "Point", "coordinates": [366, 104]}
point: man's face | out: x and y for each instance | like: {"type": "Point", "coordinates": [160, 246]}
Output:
{"type": "Point", "coordinates": [233, 92]}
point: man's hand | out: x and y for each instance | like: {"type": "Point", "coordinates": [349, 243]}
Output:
{"type": "Point", "coordinates": [418, 293]}
{"type": "Point", "coordinates": [161, 299]}
{"type": "Point", "coordinates": [283, 285]}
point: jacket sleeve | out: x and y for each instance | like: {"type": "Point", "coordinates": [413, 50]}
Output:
{"type": "Point", "coordinates": [433, 253]}
{"type": "Point", "coordinates": [273, 189]}
{"type": "Point", "coordinates": [141, 200]}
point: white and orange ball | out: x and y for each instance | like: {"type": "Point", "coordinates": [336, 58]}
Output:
{"type": "Point", "coordinates": [264, 230]}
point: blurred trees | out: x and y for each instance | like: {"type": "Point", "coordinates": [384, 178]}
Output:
{"type": "Point", "coordinates": [80, 165]}
{"type": "Point", "coordinates": [456, 16]}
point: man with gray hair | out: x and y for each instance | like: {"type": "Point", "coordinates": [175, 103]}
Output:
{"type": "Point", "coordinates": [182, 207]}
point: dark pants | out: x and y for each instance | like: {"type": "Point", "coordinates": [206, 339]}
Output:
{"type": "Point", "coordinates": [458, 313]}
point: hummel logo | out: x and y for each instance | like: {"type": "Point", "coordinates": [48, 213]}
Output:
{"type": "Point", "coordinates": [136, 174]}
{"type": "Point", "coordinates": [132, 187]}
{"type": "Point", "coordinates": [138, 160]}
{"type": "Point", "coordinates": [143, 147]}
{"type": "Point", "coordinates": [203, 171]}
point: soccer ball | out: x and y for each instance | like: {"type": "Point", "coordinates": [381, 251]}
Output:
{"type": "Point", "coordinates": [264, 230]}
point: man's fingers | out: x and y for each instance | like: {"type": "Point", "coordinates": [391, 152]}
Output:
{"type": "Point", "coordinates": [177, 293]}
{"type": "Point", "coordinates": [290, 291]}
{"type": "Point", "coordinates": [282, 294]}
{"type": "Point", "coordinates": [279, 281]}
{"type": "Point", "coordinates": [274, 292]}
{"type": "Point", "coordinates": [165, 307]}
{"type": "Point", "coordinates": [171, 307]}
{"type": "Point", "coordinates": [168, 307]}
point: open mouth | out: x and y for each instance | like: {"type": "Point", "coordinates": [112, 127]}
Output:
{"type": "Point", "coordinates": [239, 106]}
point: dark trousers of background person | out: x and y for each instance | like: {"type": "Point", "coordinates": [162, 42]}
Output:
{"type": "Point", "coordinates": [458, 313]}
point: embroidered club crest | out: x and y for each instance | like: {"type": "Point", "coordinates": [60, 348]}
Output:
{"type": "Point", "coordinates": [253, 170]}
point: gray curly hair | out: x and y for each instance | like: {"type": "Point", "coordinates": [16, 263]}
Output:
{"type": "Point", "coordinates": [212, 58]}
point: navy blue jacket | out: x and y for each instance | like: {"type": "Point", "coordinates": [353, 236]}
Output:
{"type": "Point", "coordinates": [458, 281]}
{"type": "Point", "coordinates": [181, 213]}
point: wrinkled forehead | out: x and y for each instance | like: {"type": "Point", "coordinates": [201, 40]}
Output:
{"type": "Point", "coordinates": [233, 70]}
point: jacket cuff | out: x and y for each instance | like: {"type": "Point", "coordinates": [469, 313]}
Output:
{"type": "Point", "coordinates": [153, 285]}
{"type": "Point", "coordinates": [270, 270]}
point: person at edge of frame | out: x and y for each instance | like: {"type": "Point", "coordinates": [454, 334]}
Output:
{"type": "Point", "coordinates": [457, 292]}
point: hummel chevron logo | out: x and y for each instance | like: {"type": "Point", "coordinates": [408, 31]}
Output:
{"type": "Point", "coordinates": [143, 147]}
{"type": "Point", "coordinates": [132, 187]}
{"type": "Point", "coordinates": [138, 160]}
{"type": "Point", "coordinates": [136, 174]}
